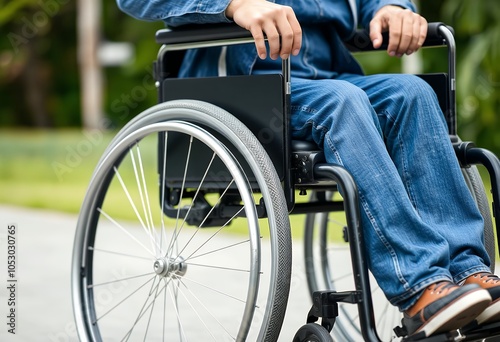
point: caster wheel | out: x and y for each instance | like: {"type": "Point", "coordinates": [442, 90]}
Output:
{"type": "Point", "coordinates": [312, 333]}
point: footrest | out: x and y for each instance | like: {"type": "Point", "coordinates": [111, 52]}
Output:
{"type": "Point", "coordinates": [478, 333]}
{"type": "Point", "coordinates": [472, 332]}
{"type": "Point", "coordinates": [452, 336]}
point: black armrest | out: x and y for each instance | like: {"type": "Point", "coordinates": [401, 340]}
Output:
{"type": "Point", "coordinates": [361, 39]}
{"type": "Point", "coordinates": [214, 32]}
{"type": "Point", "coordinates": [201, 33]}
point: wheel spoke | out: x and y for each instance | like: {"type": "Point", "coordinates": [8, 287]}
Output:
{"type": "Point", "coordinates": [123, 300]}
{"type": "Point", "coordinates": [175, 234]}
{"type": "Point", "coordinates": [131, 201]}
{"type": "Point", "coordinates": [218, 250]}
{"type": "Point", "coordinates": [143, 194]}
{"type": "Point", "coordinates": [171, 252]}
{"type": "Point", "coordinates": [163, 234]}
{"type": "Point", "coordinates": [220, 267]}
{"type": "Point", "coordinates": [340, 278]}
{"type": "Point", "coordinates": [214, 290]}
{"type": "Point", "coordinates": [215, 233]}
{"type": "Point", "coordinates": [117, 253]}
{"type": "Point", "coordinates": [196, 311]}
{"type": "Point", "coordinates": [121, 279]}
{"type": "Point", "coordinates": [151, 311]}
{"type": "Point", "coordinates": [144, 308]}
{"type": "Point", "coordinates": [124, 230]}
{"type": "Point", "coordinates": [179, 321]}
{"type": "Point", "coordinates": [164, 320]}
{"type": "Point", "coordinates": [195, 196]}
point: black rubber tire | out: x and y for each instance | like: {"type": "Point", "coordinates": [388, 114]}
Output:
{"type": "Point", "coordinates": [312, 332]}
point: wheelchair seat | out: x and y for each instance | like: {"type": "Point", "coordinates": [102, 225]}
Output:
{"type": "Point", "coordinates": [304, 146]}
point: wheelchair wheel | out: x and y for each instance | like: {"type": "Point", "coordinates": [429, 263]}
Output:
{"type": "Point", "coordinates": [476, 187]}
{"type": "Point", "coordinates": [161, 258]}
{"type": "Point", "coordinates": [312, 333]}
{"type": "Point", "coordinates": [326, 243]}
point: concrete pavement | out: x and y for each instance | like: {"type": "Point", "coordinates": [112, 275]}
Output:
{"type": "Point", "coordinates": [40, 282]}
{"type": "Point", "coordinates": [41, 290]}
{"type": "Point", "coordinates": [43, 242]}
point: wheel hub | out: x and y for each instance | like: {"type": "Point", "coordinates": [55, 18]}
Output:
{"type": "Point", "coordinates": [170, 267]}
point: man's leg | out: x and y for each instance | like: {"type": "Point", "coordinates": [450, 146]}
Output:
{"type": "Point", "coordinates": [417, 140]}
{"type": "Point", "coordinates": [340, 117]}
{"type": "Point", "coordinates": [405, 254]}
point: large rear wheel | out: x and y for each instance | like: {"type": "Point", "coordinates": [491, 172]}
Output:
{"type": "Point", "coordinates": [169, 244]}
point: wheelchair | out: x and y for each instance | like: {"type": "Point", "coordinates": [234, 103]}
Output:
{"type": "Point", "coordinates": [209, 177]}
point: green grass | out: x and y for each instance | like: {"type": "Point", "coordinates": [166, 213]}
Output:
{"type": "Point", "coordinates": [52, 169]}
{"type": "Point", "coordinates": [48, 169]}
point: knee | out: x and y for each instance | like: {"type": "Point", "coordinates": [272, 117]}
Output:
{"type": "Point", "coordinates": [328, 104]}
{"type": "Point", "coordinates": [327, 99]}
{"type": "Point", "coordinates": [411, 89]}
{"type": "Point", "coordinates": [409, 97]}
{"type": "Point", "coordinates": [348, 106]}
{"type": "Point", "coordinates": [342, 96]}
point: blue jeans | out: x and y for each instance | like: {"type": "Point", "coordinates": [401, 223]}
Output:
{"type": "Point", "coordinates": [420, 222]}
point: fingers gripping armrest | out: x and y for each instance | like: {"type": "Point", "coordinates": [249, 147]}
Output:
{"type": "Point", "coordinates": [208, 34]}
{"type": "Point", "coordinates": [360, 41]}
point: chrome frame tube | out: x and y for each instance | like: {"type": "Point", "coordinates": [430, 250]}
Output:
{"type": "Point", "coordinates": [286, 65]}
{"type": "Point", "coordinates": [206, 44]}
{"type": "Point", "coordinates": [447, 35]}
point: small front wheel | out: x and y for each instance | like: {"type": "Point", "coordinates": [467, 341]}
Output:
{"type": "Point", "coordinates": [312, 333]}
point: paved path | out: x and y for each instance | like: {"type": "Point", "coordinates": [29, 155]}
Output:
{"type": "Point", "coordinates": [43, 245]}
{"type": "Point", "coordinates": [44, 242]}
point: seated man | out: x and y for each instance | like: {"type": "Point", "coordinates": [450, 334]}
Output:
{"type": "Point", "coordinates": [423, 231]}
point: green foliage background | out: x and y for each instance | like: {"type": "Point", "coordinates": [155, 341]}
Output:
{"type": "Point", "coordinates": [39, 84]}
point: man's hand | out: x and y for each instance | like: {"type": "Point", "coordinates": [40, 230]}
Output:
{"type": "Point", "coordinates": [278, 23]}
{"type": "Point", "coordinates": [407, 30]}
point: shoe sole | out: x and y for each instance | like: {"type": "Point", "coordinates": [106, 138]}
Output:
{"type": "Point", "coordinates": [456, 315]}
{"type": "Point", "coordinates": [490, 314]}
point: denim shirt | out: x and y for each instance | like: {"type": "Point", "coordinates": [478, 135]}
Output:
{"type": "Point", "coordinates": [325, 24]}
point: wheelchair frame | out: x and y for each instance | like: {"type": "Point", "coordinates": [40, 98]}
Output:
{"type": "Point", "coordinates": [308, 172]}
{"type": "Point", "coordinates": [302, 168]}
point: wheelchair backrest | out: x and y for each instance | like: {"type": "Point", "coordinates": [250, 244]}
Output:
{"type": "Point", "coordinates": [258, 101]}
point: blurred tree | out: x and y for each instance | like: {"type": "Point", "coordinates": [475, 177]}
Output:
{"type": "Point", "coordinates": [477, 28]}
{"type": "Point", "coordinates": [130, 88]}
{"type": "Point", "coordinates": [39, 79]}
{"type": "Point", "coordinates": [88, 42]}
{"type": "Point", "coordinates": [28, 60]}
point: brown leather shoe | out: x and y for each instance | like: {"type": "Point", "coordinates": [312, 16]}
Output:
{"type": "Point", "coordinates": [445, 306]}
{"type": "Point", "coordinates": [491, 283]}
